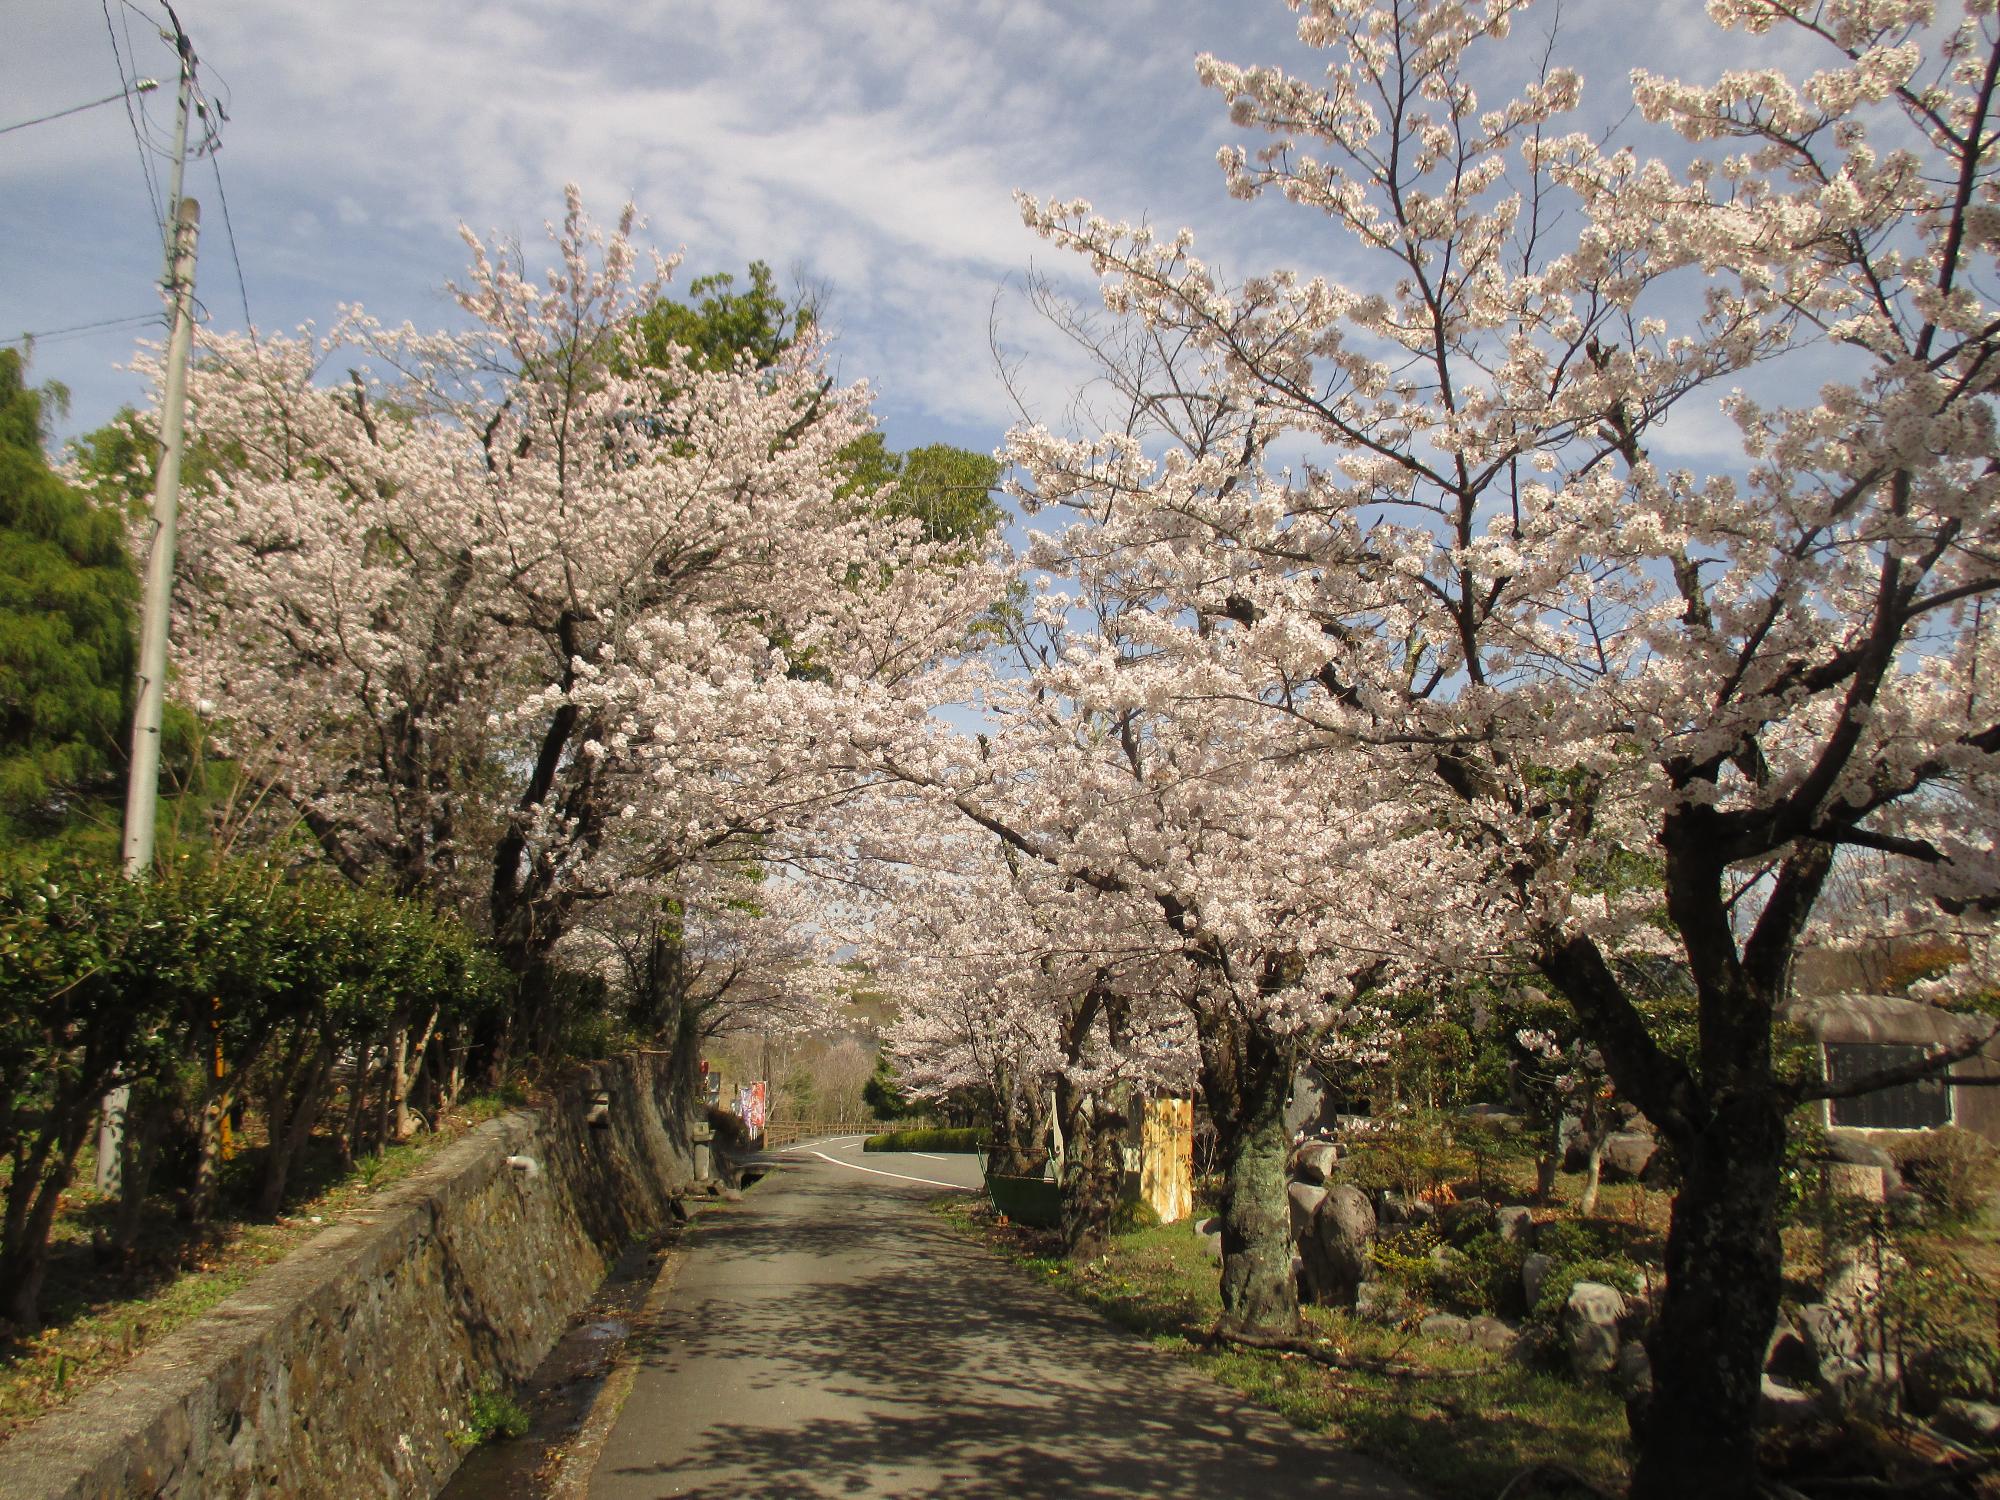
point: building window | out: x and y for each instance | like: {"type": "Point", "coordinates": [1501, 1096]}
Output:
{"type": "Point", "coordinates": [1909, 1106]}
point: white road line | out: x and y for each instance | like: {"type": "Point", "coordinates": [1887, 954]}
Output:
{"type": "Point", "coordinates": [873, 1172]}
{"type": "Point", "coordinates": [927, 1156]}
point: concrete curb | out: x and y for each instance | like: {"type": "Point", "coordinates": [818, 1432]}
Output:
{"type": "Point", "coordinates": [580, 1455]}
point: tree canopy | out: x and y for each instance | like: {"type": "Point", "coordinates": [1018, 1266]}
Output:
{"type": "Point", "coordinates": [66, 625]}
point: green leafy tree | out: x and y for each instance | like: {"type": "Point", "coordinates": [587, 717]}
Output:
{"type": "Point", "coordinates": [67, 590]}
{"type": "Point", "coordinates": [718, 325]}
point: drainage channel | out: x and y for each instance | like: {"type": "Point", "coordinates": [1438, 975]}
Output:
{"type": "Point", "coordinates": [559, 1393]}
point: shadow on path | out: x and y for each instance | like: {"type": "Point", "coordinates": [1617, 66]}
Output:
{"type": "Point", "coordinates": [829, 1337]}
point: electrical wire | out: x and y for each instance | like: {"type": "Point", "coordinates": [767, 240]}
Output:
{"type": "Point", "coordinates": [132, 118]}
{"type": "Point", "coordinates": [74, 329]}
{"type": "Point", "coordinates": [229, 230]}
{"type": "Point", "coordinates": [77, 109]}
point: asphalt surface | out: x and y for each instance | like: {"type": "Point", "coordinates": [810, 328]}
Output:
{"type": "Point", "coordinates": [828, 1336]}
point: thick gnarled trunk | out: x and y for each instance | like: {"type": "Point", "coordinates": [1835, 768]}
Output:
{"type": "Point", "coordinates": [1245, 1078]}
{"type": "Point", "coordinates": [1697, 1433]}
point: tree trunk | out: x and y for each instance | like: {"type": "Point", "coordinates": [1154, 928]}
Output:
{"type": "Point", "coordinates": [199, 1206]}
{"type": "Point", "coordinates": [292, 1115]}
{"type": "Point", "coordinates": [1016, 1149]}
{"type": "Point", "coordinates": [1697, 1434]}
{"type": "Point", "coordinates": [1092, 1167]}
{"type": "Point", "coordinates": [1546, 1167]}
{"type": "Point", "coordinates": [1593, 1175]}
{"type": "Point", "coordinates": [1246, 1077]}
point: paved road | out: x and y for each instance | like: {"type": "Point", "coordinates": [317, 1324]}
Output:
{"type": "Point", "coordinates": [827, 1336]}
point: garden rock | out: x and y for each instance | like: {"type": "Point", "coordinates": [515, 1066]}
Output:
{"type": "Point", "coordinates": [1627, 1154]}
{"type": "Point", "coordinates": [1466, 1219]}
{"type": "Point", "coordinates": [1380, 1301]}
{"type": "Point", "coordinates": [1448, 1328]}
{"type": "Point", "coordinates": [1336, 1247]}
{"type": "Point", "coordinates": [1866, 1386]}
{"type": "Point", "coordinates": [1315, 1162]}
{"type": "Point", "coordinates": [1516, 1225]}
{"type": "Point", "coordinates": [1928, 1377]}
{"type": "Point", "coordinates": [1305, 1201]}
{"type": "Point", "coordinates": [1975, 1422]}
{"type": "Point", "coordinates": [1830, 1331]}
{"type": "Point", "coordinates": [1590, 1326]}
{"type": "Point", "coordinates": [1211, 1241]}
{"type": "Point", "coordinates": [1633, 1374]}
{"type": "Point", "coordinates": [1534, 1271]}
{"type": "Point", "coordinates": [1783, 1405]}
{"type": "Point", "coordinates": [1493, 1335]}
{"type": "Point", "coordinates": [1789, 1357]}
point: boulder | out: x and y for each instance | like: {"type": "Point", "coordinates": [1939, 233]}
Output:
{"type": "Point", "coordinates": [1590, 1327]}
{"type": "Point", "coordinates": [1305, 1200]}
{"type": "Point", "coordinates": [1310, 1109]}
{"type": "Point", "coordinates": [1335, 1249]}
{"type": "Point", "coordinates": [1975, 1422]}
{"type": "Point", "coordinates": [1466, 1219]}
{"type": "Point", "coordinates": [1380, 1301]}
{"type": "Point", "coordinates": [1780, 1405]}
{"type": "Point", "coordinates": [1927, 1378]}
{"type": "Point", "coordinates": [1516, 1224]}
{"type": "Point", "coordinates": [1831, 1332]}
{"type": "Point", "coordinates": [1314, 1162]}
{"type": "Point", "coordinates": [1865, 1385]}
{"type": "Point", "coordinates": [1789, 1357]}
{"type": "Point", "coordinates": [1211, 1242]}
{"type": "Point", "coordinates": [1493, 1335]}
{"type": "Point", "coordinates": [1627, 1154]}
{"type": "Point", "coordinates": [1534, 1271]}
{"type": "Point", "coordinates": [1633, 1374]}
{"type": "Point", "coordinates": [1448, 1327]}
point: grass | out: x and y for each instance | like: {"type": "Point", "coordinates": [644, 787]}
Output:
{"type": "Point", "coordinates": [1463, 1439]}
{"type": "Point", "coordinates": [96, 1319]}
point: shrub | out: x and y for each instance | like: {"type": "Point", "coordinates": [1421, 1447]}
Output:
{"type": "Point", "coordinates": [491, 1414]}
{"type": "Point", "coordinates": [1564, 1275]}
{"type": "Point", "coordinates": [965, 1139]}
{"type": "Point", "coordinates": [1951, 1169]}
{"type": "Point", "coordinates": [1134, 1214]}
{"type": "Point", "coordinates": [1416, 1156]}
{"type": "Point", "coordinates": [1484, 1276]}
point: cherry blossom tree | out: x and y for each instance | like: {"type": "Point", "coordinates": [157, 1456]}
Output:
{"type": "Point", "coordinates": [1187, 855]}
{"type": "Point", "coordinates": [530, 612]}
{"type": "Point", "coordinates": [1493, 583]}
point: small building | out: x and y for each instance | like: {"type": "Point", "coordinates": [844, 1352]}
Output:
{"type": "Point", "coordinates": [1862, 1034]}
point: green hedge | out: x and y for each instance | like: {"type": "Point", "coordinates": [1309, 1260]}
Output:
{"type": "Point", "coordinates": [968, 1139]}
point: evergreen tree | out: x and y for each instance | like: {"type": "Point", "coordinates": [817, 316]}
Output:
{"type": "Point", "coordinates": [67, 590]}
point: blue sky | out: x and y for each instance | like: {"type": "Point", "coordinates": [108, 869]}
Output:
{"type": "Point", "coordinates": [869, 145]}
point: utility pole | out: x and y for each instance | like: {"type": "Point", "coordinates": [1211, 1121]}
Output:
{"type": "Point", "coordinates": [143, 789]}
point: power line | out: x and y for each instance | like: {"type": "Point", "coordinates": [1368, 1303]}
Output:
{"type": "Point", "coordinates": [139, 87]}
{"type": "Point", "coordinates": [229, 232]}
{"type": "Point", "coordinates": [132, 118]}
{"type": "Point", "coordinates": [78, 328]}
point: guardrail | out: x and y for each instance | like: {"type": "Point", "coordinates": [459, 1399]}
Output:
{"type": "Point", "coordinates": [781, 1133]}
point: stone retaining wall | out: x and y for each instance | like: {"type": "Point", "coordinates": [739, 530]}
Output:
{"type": "Point", "coordinates": [344, 1370]}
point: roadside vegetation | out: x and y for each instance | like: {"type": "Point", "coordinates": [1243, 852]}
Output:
{"type": "Point", "coordinates": [1450, 1370]}
{"type": "Point", "coordinates": [99, 1313]}
{"type": "Point", "coordinates": [940, 1138]}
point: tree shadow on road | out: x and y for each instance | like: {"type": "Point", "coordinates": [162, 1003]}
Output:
{"type": "Point", "coordinates": [949, 1372]}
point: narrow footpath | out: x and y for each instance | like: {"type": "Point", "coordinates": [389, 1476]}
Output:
{"type": "Point", "coordinates": [829, 1336]}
